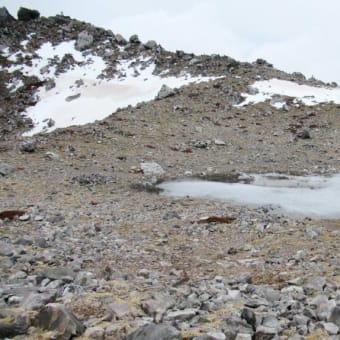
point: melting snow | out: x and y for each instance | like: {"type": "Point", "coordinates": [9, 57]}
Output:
{"type": "Point", "coordinates": [310, 196]}
{"type": "Point", "coordinates": [309, 95]}
{"type": "Point", "coordinates": [95, 98]}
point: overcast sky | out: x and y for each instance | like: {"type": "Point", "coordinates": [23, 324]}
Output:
{"type": "Point", "coordinates": [294, 35]}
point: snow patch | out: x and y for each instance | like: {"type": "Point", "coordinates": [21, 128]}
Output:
{"type": "Point", "coordinates": [311, 196]}
{"type": "Point", "coordinates": [308, 95]}
{"type": "Point", "coordinates": [80, 96]}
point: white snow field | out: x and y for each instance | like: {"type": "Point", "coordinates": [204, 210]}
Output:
{"type": "Point", "coordinates": [308, 95]}
{"type": "Point", "coordinates": [95, 98]}
{"type": "Point", "coordinates": [310, 196]}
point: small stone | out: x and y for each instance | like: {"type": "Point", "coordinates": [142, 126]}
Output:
{"type": "Point", "coordinates": [313, 231]}
{"type": "Point", "coordinates": [6, 249]}
{"type": "Point", "coordinates": [144, 273]}
{"type": "Point", "coordinates": [335, 316]}
{"type": "Point", "coordinates": [324, 307]}
{"type": "Point", "coordinates": [64, 274]}
{"type": "Point", "coordinates": [34, 301]}
{"type": "Point", "coordinates": [243, 336]}
{"type": "Point", "coordinates": [152, 169]}
{"type": "Point", "coordinates": [120, 39]}
{"type": "Point", "coordinates": [265, 333]}
{"type": "Point", "coordinates": [271, 322]}
{"type": "Point", "coordinates": [215, 335]}
{"type": "Point", "coordinates": [25, 217]}
{"type": "Point", "coordinates": [155, 332]}
{"type": "Point", "coordinates": [5, 15]}
{"type": "Point", "coordinates": [304, 134]}
{"type": "Point", "coordinates": [94, 333]}
{"type": "Point", "coordinates": [14, 300]}
{"type": "Point", "coordinates": [84, 41]}
{"type": "Point", "coordinates": [6, 169]}
{"type": "Point", "coordinates": [20, 275]}
{"type": "Point", "coordinates": [28, 145]}
{"type": "Point", "coordinates": [150, 45]}
{"type": "Point", "coordinates": [73, 97]}
{"type": "Point", "coordinates": [182, 315]}
{"type": "Point", "coordinates": [118, 310]}
{"type": "Point", "coordinates": [157, 306]}
{"type": "Point", "coordinates": [26, 14]}
{"type": "Point", "coordinates": [56, 317]}
{"type": "Point", "coordinates": [330, 328]}
{"type": "Point", "coordinates": [219, 142]}
{"type": "Point", "coordinates": [12, 328]}
{"type": "Point", "coordinates": [134, 39]}
{"type": "Point", "coordinates": [165, 92]}
{"type": "Point", "coordinates": [315, 284]}
{"type": "Point", "coordinates": [50, 84]}
{"type": "Point", "coordinates": [300, 254]}
{"type": "Point", "coordinates": [51, 155]}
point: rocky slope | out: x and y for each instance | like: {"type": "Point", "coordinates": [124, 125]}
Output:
{"type": "Point", "coordinates": [85, 238]}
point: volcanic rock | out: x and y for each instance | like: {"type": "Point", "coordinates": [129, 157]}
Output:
{"type": "Point", "coordinates": [26, 14]}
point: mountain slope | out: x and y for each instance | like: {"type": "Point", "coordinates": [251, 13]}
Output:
{"type": "Point", "coordinates": [94, 246]}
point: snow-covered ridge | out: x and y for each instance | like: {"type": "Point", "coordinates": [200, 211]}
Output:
{"type": "Point", "coordinates": [308, 95]}
{"type": "Point", "coordinates": [80, 94]}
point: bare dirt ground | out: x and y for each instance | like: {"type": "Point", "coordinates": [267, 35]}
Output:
{"type": "Point", "coordinates": [91, 191]}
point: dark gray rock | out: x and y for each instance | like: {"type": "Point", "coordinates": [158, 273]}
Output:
{"type": "Point", "coordinates": [73, 97]}
{"type": "Point", "coordinates": [50, 84]}
{"type": "Point", "coordinates": [157, 306]}
{"type": "Point", "coordinates": [265, 333]}
{"type": "Point", "coordinates": [6, 169]}
{"type": "Point", "coordinates": [304, 134]}
{"type": "Point", "coordinates": [323, 307]}
{"type": "Point", "coordinates": [6, 249]}
{"type": "Point", "coordinates": [165, 92]}
{"type": "Point", "coordinates": [5, 16]}
{"type": "Point", "coordinates": [233, 325]}
{"type": "Point", "coordinates": [134, 39]}
{"type": "Point", "coordinates": [250, 317]}
{"type": "Point", "coordinates": [26, 14]}
{"type": "Point", "coordinates": [34, 301]}
{"type": "Point", "coordinates": [84, 41]}
{"type": "Point", "coordinates": [155, 332]}
{"type": "Point", "coordinates": [58, 273]}
{"type": "Point", "coordinates": [150, 45]}
{"type": "Point", "coordinates": [120, 39]}
{"type": "Point", "coordinates": [212, 335]}
{"type": "Point", "coordinates": [56, 317]}
{"type": "Point", "coordinates": [263, 62]}
{"type": "Point", "coordinates": [335, 316]}
{"type": "Point", "coordinates": [330, 328]}
{"type": "Point", "coordinates": [11, 328]}
{"type": "Point", "coordinates": [29, 145]}
{"type": "Point", "coordinates": [182, 315]}
{"type": "Point", "coordinates": [94, 333]}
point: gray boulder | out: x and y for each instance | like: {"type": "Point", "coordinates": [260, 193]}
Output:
{"type": "Point", "coordinates": [29, 145]}
{"type": "Point", "coordinates": [55, 317]}
{"type": "Point", "coordinates": [134, 39]}
{"type": "Point", "coordinates": [11, 328]}
{"type": "Point", "coordinates": [84, 41]}
{"type": "Point", "coordinates": [4, 15]}
{"type": "Point", "coordinates": [26, 14]}
{"type": "Point", "coordinates": [5, 169]}
{"type": "Point", "coordinates": [165, 92]}
{"type": "Point", "coordinates": [155, 332]}
{"type": "Point", "coordinates": [150, 45]}
{"type": "Point", "coordinates": [120, 39]}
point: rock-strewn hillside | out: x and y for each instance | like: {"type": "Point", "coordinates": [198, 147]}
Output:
{"type": "Point", "coordinates": [86, 240]}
